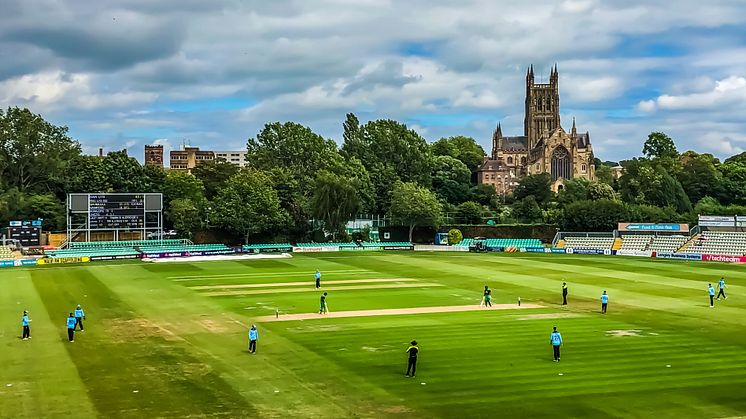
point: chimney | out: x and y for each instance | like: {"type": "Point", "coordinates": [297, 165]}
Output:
{"type": "Point", "coordinates": [101, 152]}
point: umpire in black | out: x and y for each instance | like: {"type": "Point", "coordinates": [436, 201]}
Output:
{"type": "Point", "coordinates": [413, 350]}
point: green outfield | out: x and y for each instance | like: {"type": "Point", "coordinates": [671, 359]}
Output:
{"type": "Point", "coordinates": [170, 339]}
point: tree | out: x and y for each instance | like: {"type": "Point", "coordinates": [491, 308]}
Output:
{"type": "Point", "coordinates": [335, 201]}
{"type": "Point", "coordinates": [248, 205]}
{"type": "Point", "coordinates": [451, 179]}
{"type": "Point", "coordinates": [125, 173]}
{"type": "Point", "coordinates": [16, 205]}
{"type": "Point", "coordinates": [598, 190]}
{"type": "Point", "coordinates": [734, 181]}
{"type": "Point", "coordinates": [699, 176]}
{"type": "Point", "coordinates": [661, 149]}
{"type": "Point", "coordinates": [455, 236]}
{"type": "Point", "coordinates": [214, 174]}
{"type": "Point", "coordinates": [462, 148]}
{"type": "Point", "coordinates": [644, 182]}
{"type": "Point", "coordinates": [183, 185]}
{"type": "Point", "coordinates": [292, 201]}
{"type": "Point", "coordinates": [527, 210]}
{"type": "Point", "coordinates": [351, 129]}
{"type": "Point", "coordinates": [87, 174]}
{"type": "Point", "coordinates": [604, 174]}
{"type": "Point", "coordinates": [34, 154]}
{"type": "Point", "coordinates": [412, 206]}
{"type": "Point", "coordinates": [154, 178]}
{"type": "Point", "coordinates": [601, 215]}
{"type": "Point", "coordinates": [574, 190]}
{"type": "Point", "coordinates": [390, 152]}
{"type": "Point", "coordinates": [185, 216]}
{"type": "Point", "coordinates": [471, 213]}
{"type": "Point", "coordinates": [484, 194]}
{"type": "Point", "coordinates": [295, 148]}
{"type": "Point", "coordinates": [538, 186]}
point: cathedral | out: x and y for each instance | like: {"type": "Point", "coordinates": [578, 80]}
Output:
{"type": "Point", "coordinates": [544, 147]}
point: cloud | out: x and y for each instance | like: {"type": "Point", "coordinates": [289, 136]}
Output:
{"type": "Point", "coordinates": [726, 92]}
{"type": "Point", "coordinates": [139, 70]}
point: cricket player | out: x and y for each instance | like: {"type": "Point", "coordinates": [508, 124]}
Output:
{"type": "Point", "coordinates": [79, 317]}
{"type": "Point", "coordinates": [604, 302]}
{"type": "Point", "coordinates": [488, 298]}
{"type": "Point", "coordinates": [564, 293]}
{"type": "Point", "coordinates": [71, 328]}
{"type": "Point", "coordinates": [711, 290]}
{"type": "Point", "coordinates": [721, 289]}
{"type": "Point", "coordinates": [484, 295]}
{"type": "Point", "coordinates": [318, 279]}
{"type": "Point", "coordinates": [413, 350]}
{"type": "Point", "coordinates": [323, 309]}
{"type": "Point", "coordinates": [25, 323]}
{"type": "Point", "coordinates": [253, 336]}
{"type": "Point", "coordinates": [556, 340]}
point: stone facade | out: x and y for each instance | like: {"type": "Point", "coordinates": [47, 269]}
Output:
{"type": "Point", "coordinates": [544, 147]}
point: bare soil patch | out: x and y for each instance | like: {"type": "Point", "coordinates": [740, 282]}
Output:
{"type": "Point", "coordinates": [622, 333]}
{"type": "Point", "coordinates": [394, 312]}
{"type": "Point", "coordinates": [127, 330]}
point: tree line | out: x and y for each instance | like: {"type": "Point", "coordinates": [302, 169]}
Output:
{"type": "Point", "coordinates": [302, 186]}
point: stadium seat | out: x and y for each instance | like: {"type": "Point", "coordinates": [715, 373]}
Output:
{"type": "Point", "coordinates": [582, 242]}
{"type": "Point", "coordinates": [719, 243]}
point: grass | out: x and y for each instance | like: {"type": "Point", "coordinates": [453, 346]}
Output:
{"type": "Point", "coordinates": [160, 343]}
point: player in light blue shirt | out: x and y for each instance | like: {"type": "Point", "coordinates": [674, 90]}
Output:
{"type": "Point", "coordinates": [79, 317]}
{"type": "Point", "coordinates": [721, 287]}
{"type": "Point", "coordinates": [71, 328]}
{"type": "Point", "coordinates": [604, 302]}
{"type": "Point", "coordinates": [25, 323]}
{"type": "Point", "coordinates": [253, 337]}
{"type": "Point", "coordinates": [318, 279]}
{"type": "Point", "coordinates": [711, 290]}
{"type": "Point", "coordinates": [556, 340]}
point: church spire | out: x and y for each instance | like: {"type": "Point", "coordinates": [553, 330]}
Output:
{"type": "Point", "coordinates": [574, 130]}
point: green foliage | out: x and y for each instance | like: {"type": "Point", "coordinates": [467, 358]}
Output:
{"type": "Point", "coordinates": [16, 205]}
{"type": "Point", "coordinates": [335, 201]}
{"type": "Point", "coordinates": [538, 186]}
{"type": "Point", "coordinates": [34, 154]}
{"type": "Point", "coordinates": [87, 174]}
{"type": "Point", "coordinates": [527, 210]}
{"type": "Point", "coordinates": [412, 205]}
{"type": "Point", "coordinates": [183, 185]}
{"type": "Point", "coordinates": [454, 236]}
{"type": "Point", "coordinates": [248, 205]}
{"type": "Point", "coordinates": [462, 148]}
{"type": "Point", "coordinates": [574, 190]}
{"type": "Point", "coordinates": [125, 173]}
{"type": "Point", "coordinates": [644, 182]}
{"type": "Point", "coordinates": [699, 176]}
{"type": "Point", "coordinates": [214, 174]}
{"type": "Point", "coordinates": [485, 195]}
{"type": "Point", "coordinates": [390, 152]}
{"type": "Point", "coordinates": [185, 216]}
{"type": "Point", "coordinates": [451, 179]}
{"type": "Point", "coordinates": [601, 215]}
{"type": "Point", "coordinates": [660, 148]}
{"type": "Point", "coordinates": [471, 213]}
{"type": "Point", "coordinates": [604, 174]}
{"type": "Point", "coordinates": [734, 181]}
{"type": "Point", "coordinates": [597, 190]}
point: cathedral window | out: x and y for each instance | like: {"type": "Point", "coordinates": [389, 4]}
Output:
{"type": "Point", "coordinates": [561, 164]}
{"type": "Point", "coordinates": [584, 168]}
{"type": "Point", "coordinates": [523, 161]}
{"type": "Point", "coordinates": [510, 160]}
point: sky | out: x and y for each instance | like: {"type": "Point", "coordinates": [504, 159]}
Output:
{"type": "Point", "coordinates": [125, 73]}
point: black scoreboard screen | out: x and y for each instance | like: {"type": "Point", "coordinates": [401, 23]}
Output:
{"type": "Point", "coordinates": [28, 235]}
{"type": "Point", "coordinates": [125, 211]}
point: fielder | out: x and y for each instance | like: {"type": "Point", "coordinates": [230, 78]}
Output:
{"type": "Point", "coordinates": [318, 279]}
{"type": "Point", "coordinates": [71, 328]}
{"type": "Point", "coordinates": [556, 340]}
{"type": "Point", "coordinates": [79, 317]}
{"type": "Point", "coordinates": [413, 350]}
{"type": "Point", "coordinates": [25, 323]}
{"type": "Point", "coordinates": [253, 337]}
{"type": "Point", "coordinates": [721, 289]}
{"type": "Point", "coordinates": [711, 290]}
{"type": "Point", "coordinates": [604, 302]}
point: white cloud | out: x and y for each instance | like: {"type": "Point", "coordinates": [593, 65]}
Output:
{"type": "Point", "coordinates": [726, 92]}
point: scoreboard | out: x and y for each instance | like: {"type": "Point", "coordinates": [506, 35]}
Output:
{"type": "Point", "coordinates": [116, 211]}
{"type": "Point", "coordinates": [26, 232]}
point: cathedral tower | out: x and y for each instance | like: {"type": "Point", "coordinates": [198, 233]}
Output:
{"type": "Point", "coordinates": [542, 106]}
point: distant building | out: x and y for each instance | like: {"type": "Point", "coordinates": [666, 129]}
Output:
{"type": "Point", "coordinates": [154, 155]}
{"type": "Point", "coordinates": [544, 146]}
{"type": "Point", "coordinates": [237, 158]}
{"type": "Point", "coordinates": [189, 157]}
{"type": "Point", "coordinates": [617, 171]}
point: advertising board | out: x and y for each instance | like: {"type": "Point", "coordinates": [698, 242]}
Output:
{"type": "Point", "coordinates": [53, 261]}
{"type": "Point", "coordinates": [398, 247]}
{"type": "Point", "coordinates": [723, 258]}
{"type": "Point", "coordinates": [682, 256]}
{"type": "Point", "coordinates": [640, 253]}
{"type": "Point", "coordinates": [306, 249]}
{"type": "Point", "coordinates": [716, 221]}
{"type": "Point", "coordinates": [670, 227]}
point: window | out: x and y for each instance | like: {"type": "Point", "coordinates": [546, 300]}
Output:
{"type": "Point", "coordinates": [510, 160]}
{"type": "Point", "coordinates": [234, 155]}
{"type": "Point", "coordinates": [561, 164]}
{"type": "Point", "coordinates": [583, 168]}
{"type": "Point", "coordinates": [523, 161]}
